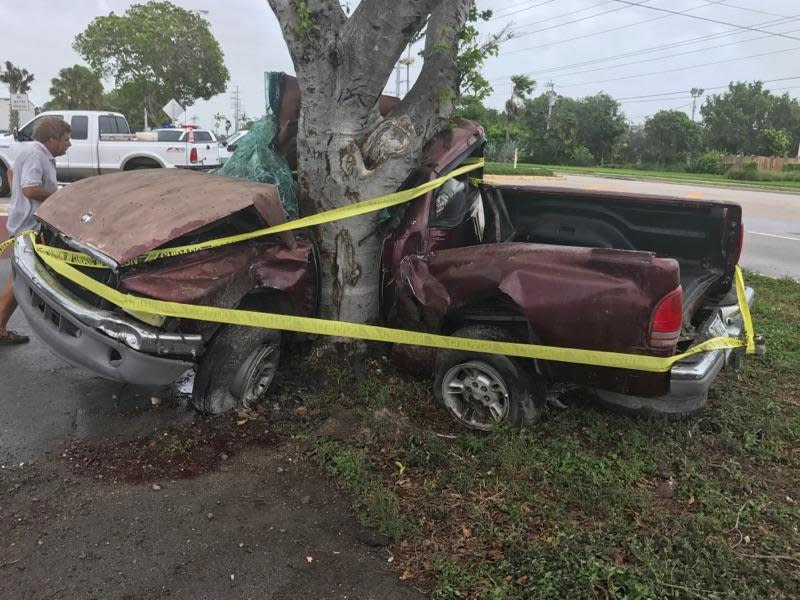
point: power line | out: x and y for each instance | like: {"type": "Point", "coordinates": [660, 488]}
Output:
{"type": "Point", "coordinates": [754, 10]}
{"type": "Point", "coordinates": [657, 58]}
{"type": "Point", "coordinates": [717, 21]}
{"type": "Point", "coordinates": [494, 18]}
{"type": "Point", "coordinates": [661, 47]}
{"type": "Point", "coordinates": [574, 12]}
{"type": "Point", "coordinates": [618, 28]}
{"type": "Point", "coordinates": [605, 12]}
{"type": "Point", "coordinates": [717, 62]}
{"type": "Point", "coordinates": [715, 87]}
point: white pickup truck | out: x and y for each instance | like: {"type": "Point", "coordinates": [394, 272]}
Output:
{"type": "Point", "coordinates": [102, 143]}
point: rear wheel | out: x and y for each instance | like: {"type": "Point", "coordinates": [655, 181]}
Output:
{"type": "Point", "coordinates": [482, 391]}
{"type": "Point", "coordinates": [237, 369]}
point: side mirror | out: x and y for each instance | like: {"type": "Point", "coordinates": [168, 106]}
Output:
{"type": "Point", "coordinates": [231, 147]}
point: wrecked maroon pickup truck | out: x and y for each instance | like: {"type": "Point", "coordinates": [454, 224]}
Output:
{"type": "Point", "coordinates": [554, 266]}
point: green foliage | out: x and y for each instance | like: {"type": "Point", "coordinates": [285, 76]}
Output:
{"type": "Point", "coordinates": [708, 162]}
{"type": "Point", "coordinates": [76, 87]}
{"type": "Point", "coordinates": [791, 167]}
{"type": "Point", "coordinates": [750, 166]}
{"type": "Point", "coordinates": [775, 142]}
{"type": "Point", "coordinates": [18, 79]}
{"type": "Point", "coordinates": [154, 52]}
{"type": "Point", "coordinates": [750, 174]}
{"type": "Point", "coordinates": [738, 121]}
{"type": "Point", "coordinates": [671, 137]}
{"type": "Point", "coordinates": [575, 507]}
{"type": "Point", "coordinates": [379, 507]}
{"type": "Point", "coordinates": [473, 52]}
{"type": "Point", "coordinates": [580, 156]}
{"type": "Point", "coordinates": [305, 23]}
{"type": "Point", "coordinates": [496, 168]}
{"type": "Point", "coordinates": [19, 82]}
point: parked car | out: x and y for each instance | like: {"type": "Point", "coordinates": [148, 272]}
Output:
{"type": "Point", "coordinates": [229, 145]}
{"type": "Point", "coordinates": [102, 143]}
{"type": "Point", "coordinates": [574, 268]}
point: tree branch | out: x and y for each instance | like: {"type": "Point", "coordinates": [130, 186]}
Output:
{"type": "Point", "coordinates": [373, 39]}
{"type": "Point", "coordinates": [303, 21]}
{"type": "Point", "coordinates": [431, 101]}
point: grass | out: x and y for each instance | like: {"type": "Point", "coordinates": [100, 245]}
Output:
{"type": "Point", "coordinates": [494, 168]}
{"type": "Point", "coordinates": [679, 177]}
{"type": "Point", "coordinates": [590, 504]}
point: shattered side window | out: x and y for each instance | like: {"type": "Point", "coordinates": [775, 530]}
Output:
{"type": "Point", "coordinates": [450, 207]}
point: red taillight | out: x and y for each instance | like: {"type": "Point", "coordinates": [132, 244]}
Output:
{"type": "Point", "coordinates": [193, 155]}
{"type": "Point", "coordinates": [665, 325]}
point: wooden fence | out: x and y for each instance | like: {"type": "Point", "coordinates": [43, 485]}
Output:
{"type": "Point", "coordinates": [765, 163]}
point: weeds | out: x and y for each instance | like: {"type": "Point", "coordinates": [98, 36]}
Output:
{"type": "Point", "coordinates": [590, 504]}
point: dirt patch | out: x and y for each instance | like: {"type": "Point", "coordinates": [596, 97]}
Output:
{"type": "Point", "coordinates": [177, 453]}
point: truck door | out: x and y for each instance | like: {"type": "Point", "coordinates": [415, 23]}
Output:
{"type": "Point", "coordinates": [81, 157]}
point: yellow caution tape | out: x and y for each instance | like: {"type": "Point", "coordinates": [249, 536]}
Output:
{"type": "Point", "coordinates": [61, 260]}
{"type": "Point", "coordinates": [343, 212]}
{"type": "Point", "coordinates": [6, 244]}
{"type": "Point", "coordinates": [385, 334]}
{"type": "Point", "coordinates": [744, 310]}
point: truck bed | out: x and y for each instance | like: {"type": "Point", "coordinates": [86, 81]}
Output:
{"type": "Point", "coordinates": [689, 231]}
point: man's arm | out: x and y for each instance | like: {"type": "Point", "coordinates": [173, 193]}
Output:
{"type": "Point", "coordinates": [36, 192]}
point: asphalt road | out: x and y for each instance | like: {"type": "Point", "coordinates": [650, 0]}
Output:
{"type": "Point", "coordinates": [263, 524]}
{"type": "Point", "coordinates": [771, 219]}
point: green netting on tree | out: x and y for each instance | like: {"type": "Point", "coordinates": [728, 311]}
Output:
{"type": "Point", "coordinates": [255, 158]}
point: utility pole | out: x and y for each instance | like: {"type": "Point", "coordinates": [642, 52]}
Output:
{"type": "Point", "coordinates": [551, 100]}
{"type": "Point", "coordinates": [407, 61]}
{"type": "Point", "coordinates": [696, 93]}
{"type": "Point", "coordinates": [236, 105]}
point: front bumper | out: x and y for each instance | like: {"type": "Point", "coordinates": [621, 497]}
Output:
{"type": "Point", "coordinates": [690, 379]}
{"type": "Point", "coordinates": [115, 347]}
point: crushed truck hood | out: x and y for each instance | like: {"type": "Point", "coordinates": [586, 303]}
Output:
{"type": "Point", "coordinates": [127, 214]}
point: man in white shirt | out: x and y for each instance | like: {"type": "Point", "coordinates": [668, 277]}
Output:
{"type": "Point", "coordinates": [33, 180]}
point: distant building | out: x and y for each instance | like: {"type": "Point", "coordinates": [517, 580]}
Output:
{"type": "Point", "coordinates": [5, 114]}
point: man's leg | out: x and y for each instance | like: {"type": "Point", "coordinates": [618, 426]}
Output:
{"type": "Point", "coordinates": [7, 305]}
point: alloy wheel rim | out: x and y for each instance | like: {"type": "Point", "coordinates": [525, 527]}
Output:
{"type": "Point", "coordinates": [476, 395]}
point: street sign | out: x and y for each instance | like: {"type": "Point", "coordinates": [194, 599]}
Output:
{"type": "Point", "coordinates": [173, 109]}
{"type": "Point", "coordinates": [19, 102]}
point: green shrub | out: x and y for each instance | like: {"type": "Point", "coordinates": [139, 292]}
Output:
{"type": "Point", "coordinates": [581, 156]}
{"type": "Point", "coordinates": [744, 175]}
{"type": "Point", "coordinates": [755, 175]}
{"type": "Point", "coordinates": [791, 168]}
{"type": "Point", "coordinates": [708, 162]}
{"type": "Point", "coordinates": [750, 166]}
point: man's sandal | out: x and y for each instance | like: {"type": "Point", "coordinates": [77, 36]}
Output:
{"type": "Point", "coordinates": [11, 338]}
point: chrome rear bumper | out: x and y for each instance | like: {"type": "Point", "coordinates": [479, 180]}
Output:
{"type": "Point", "coordinates": [690, 379]}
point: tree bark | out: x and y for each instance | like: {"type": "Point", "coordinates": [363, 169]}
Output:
{"type": "Point", "coordinates": [346, 151]}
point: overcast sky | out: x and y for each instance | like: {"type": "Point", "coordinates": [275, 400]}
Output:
{"type": "Point", "coordinates": [563, 41]}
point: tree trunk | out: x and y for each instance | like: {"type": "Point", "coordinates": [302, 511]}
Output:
{"type": "Point", "coordinates": [346, 151]}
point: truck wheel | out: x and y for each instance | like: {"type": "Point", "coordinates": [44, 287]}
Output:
{"type": "Point", "coordinates": [482, 391]}
{"type": "Point", "coordinates": [237, 369]}
{"type": "Point", "coordinates": [5, 189]}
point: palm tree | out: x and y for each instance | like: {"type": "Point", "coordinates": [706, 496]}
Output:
{"type": "Point", "coordinates": [19, 82]}
{"type": "Point", "coordinates": [76, 87]}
